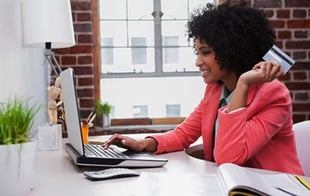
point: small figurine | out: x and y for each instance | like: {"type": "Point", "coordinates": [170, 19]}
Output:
{"type": "Point", "coordinates": [55, 100]}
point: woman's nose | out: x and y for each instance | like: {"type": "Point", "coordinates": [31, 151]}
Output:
{"type": "Point", "coordinates": [199, 62]}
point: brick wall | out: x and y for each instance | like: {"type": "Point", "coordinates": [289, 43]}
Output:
{"type": "Point", "coordinates": [83, 56]}
{"type": "Point", "coordinates": [290, 18]}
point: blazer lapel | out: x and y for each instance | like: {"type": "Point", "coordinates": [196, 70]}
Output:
{"type": "Point", "coordinates": [210, 108]}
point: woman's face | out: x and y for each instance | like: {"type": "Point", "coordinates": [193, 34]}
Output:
{"type": "Point", "coordinates": [208, 66]}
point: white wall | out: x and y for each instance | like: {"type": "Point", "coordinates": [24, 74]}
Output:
{"type": "Point", "coordinates": [23, 71]}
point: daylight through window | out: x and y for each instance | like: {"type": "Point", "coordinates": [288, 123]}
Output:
{"type": "Point", "coordinates": [147, 64]}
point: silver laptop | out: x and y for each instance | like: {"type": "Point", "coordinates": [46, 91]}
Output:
{"type": "Point", "coordinates": [91, 154]}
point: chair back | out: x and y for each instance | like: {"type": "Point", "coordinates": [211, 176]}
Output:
{"type": "Point", "coordinates": [302, 137]}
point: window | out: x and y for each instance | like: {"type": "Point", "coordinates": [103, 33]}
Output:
{"type": "Point", "coordinates": [147, 63]}
{"type": "Point", "coordinates": [138, 55]}
{"type": "Point", "coordinates": [171, 55]}
{"type": "Point", "coordinates": [173, 110]}
{"type": "Point", "coordinates": [107, 52]}
{"type": "Point", "coordinates": [140, 111]}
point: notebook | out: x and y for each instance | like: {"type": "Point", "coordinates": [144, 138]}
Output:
{"type": "Point", "coordinates": [91, 154]}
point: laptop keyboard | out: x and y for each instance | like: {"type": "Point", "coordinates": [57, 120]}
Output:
{"type": "Point", "coordinates": [98, 151]}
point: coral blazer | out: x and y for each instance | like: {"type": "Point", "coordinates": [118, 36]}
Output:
{"type": "Point", "coordinates": [259, 135]}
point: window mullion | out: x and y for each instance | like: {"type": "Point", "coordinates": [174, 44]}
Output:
{"type": "Point", "coordinates": [157, 37]}
{"type": "Point", "coordinates": [127, 26]}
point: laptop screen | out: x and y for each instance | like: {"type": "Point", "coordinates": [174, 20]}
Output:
{"type": "Point", "coordinates": [71, 109]}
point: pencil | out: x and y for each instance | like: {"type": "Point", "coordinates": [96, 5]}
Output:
{"type": "Point", "coordinates": [303, 182]}
{"type": "Point", "coordinates": [88, 118]}
{"type": "Point", "coordinates": [91, 120]}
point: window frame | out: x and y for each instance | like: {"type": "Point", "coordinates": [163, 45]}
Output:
{"type": "Point", "coordinates": [158, 73]}
{"type": "Point", "coordinates": [158, 48]}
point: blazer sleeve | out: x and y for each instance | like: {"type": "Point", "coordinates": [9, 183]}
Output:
{"type": "Point", "coordinates": [244, 132]}
{"type": "Point", "coordinates": [183, 135]}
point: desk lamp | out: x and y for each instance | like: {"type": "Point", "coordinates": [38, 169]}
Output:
{"type": "Point", "coordinates": [48, 24]}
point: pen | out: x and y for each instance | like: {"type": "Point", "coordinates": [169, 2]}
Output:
{"type": "Point", "coordinates": [303, 182]}
{"type": "Point", "coordinates": [285, 191]}
{"type": "Point", "coordinates": [91, 120]}
{"type": "Point", "coordinates": [88, 118]}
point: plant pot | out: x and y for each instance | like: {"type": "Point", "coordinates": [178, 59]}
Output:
{"type": "Point", "coordinates": [17, 168]}
{"type": "Point", "coordinates": [49, 137]}
{"type": "Point", "coordinates": [106, 121]}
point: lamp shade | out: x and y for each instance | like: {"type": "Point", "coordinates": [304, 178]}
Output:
{"type": "Point", "coordinates": [47, 21]}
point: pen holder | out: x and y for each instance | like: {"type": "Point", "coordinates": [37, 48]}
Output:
{"type": "Point", "coordinates": [85, 132]}
{"type": "Point", "coordinates": [50, 137]}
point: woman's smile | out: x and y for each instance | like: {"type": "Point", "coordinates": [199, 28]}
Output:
{"type": "Point", "coordinates": [204, 73]}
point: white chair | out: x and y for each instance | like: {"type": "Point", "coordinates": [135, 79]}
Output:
{"type": "Point", "coordinates": [302, 136]}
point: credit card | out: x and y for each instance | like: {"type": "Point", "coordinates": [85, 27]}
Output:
{"type": "Point", "coordinates": [276, 54]}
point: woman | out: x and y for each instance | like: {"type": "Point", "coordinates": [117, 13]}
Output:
{"type": "Point", "coordinates": [254, 129]}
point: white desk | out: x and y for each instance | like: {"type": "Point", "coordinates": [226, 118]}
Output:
{"type": "Point", "coordinates": [182, 175]}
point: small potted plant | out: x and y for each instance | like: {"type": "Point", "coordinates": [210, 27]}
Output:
{"type": "Point", "coordinates": [17, 149]}
{"type": "Point", "coordinates": [103, 109]}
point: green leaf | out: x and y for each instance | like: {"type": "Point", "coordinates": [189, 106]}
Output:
{"type": "Point", "coordinates": [16, 120]}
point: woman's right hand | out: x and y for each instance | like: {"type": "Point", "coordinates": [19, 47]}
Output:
{"type": "Point", "coordinates": [147, 144]}
{"type": "Point", "coordinates": [264, 71]}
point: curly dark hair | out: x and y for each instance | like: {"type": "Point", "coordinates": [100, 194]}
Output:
{"type": "Point", "coordinates": [239, 35]}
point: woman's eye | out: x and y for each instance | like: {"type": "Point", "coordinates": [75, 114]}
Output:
{"type": "Point", "coordinates": [204, 53]}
